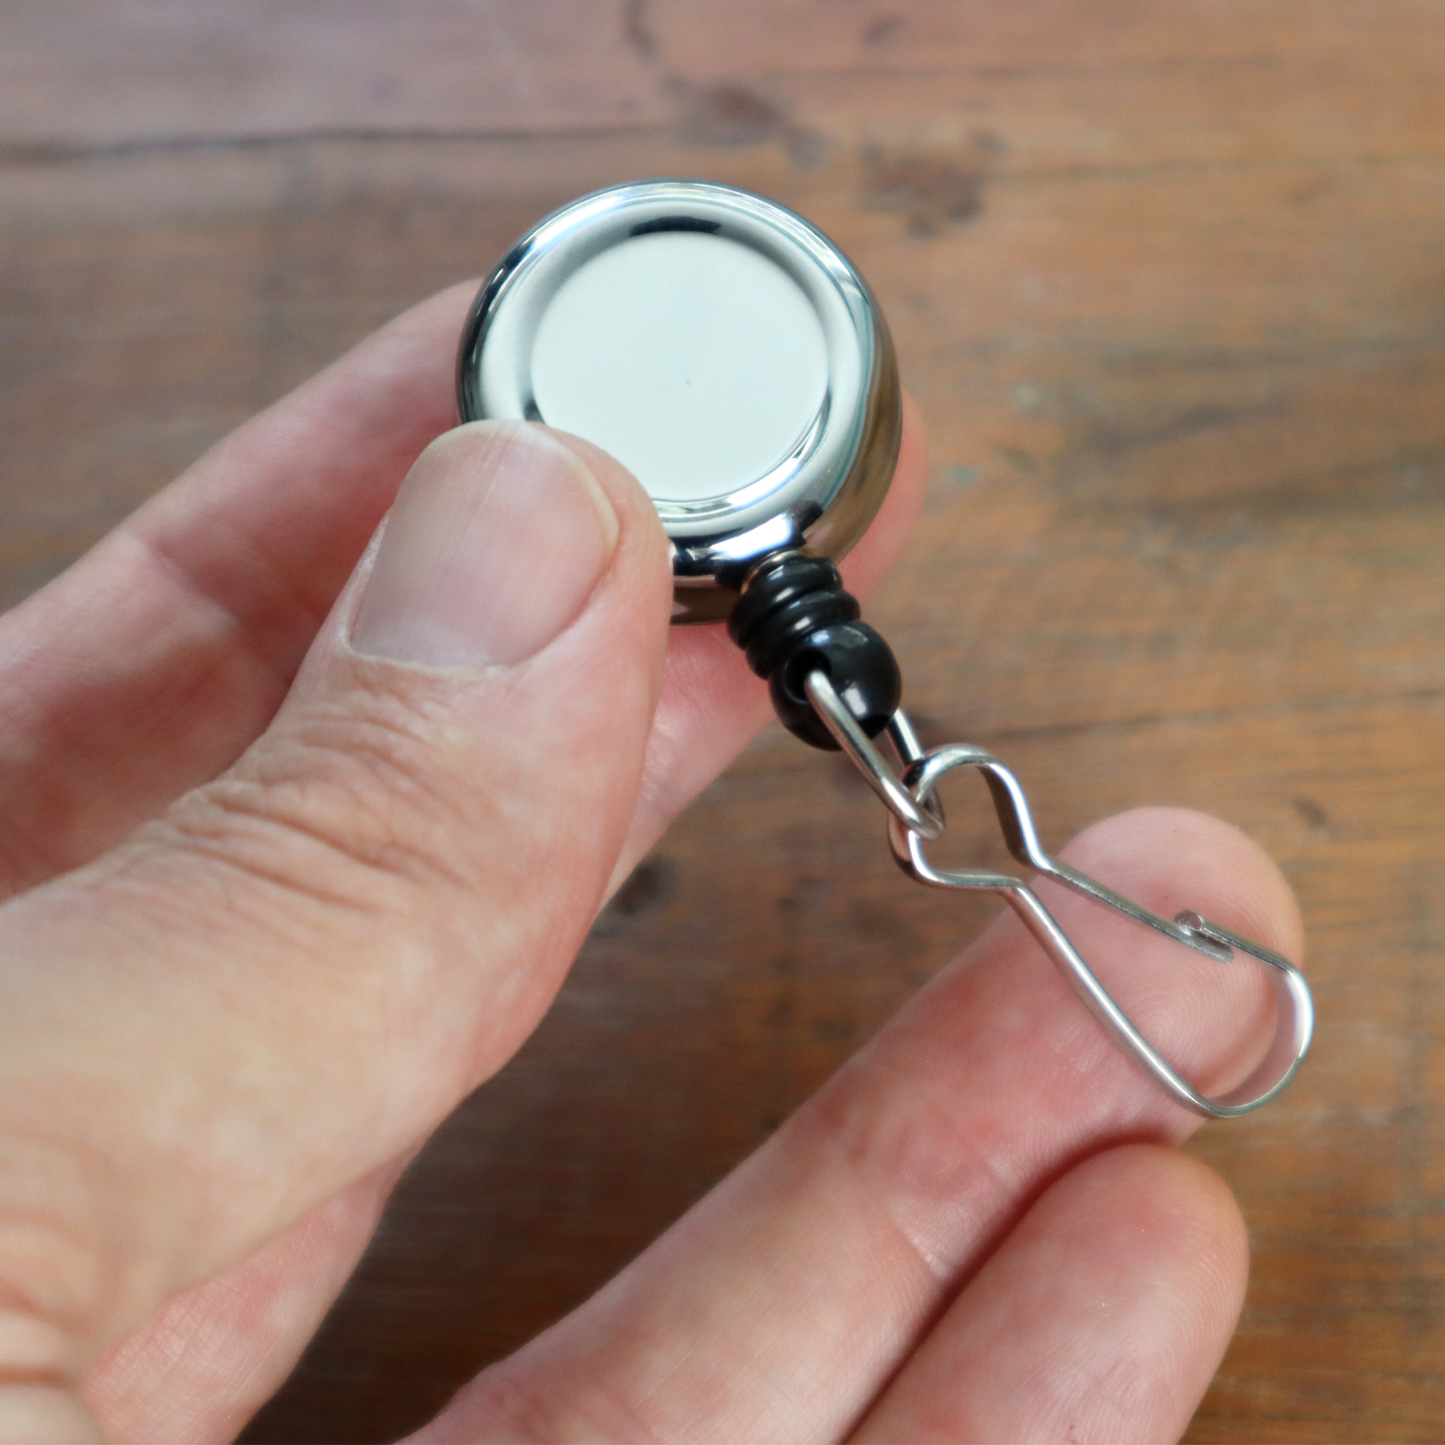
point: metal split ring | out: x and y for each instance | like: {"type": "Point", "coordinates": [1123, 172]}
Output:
{"type": "Point", "coordinates": [924, 818]}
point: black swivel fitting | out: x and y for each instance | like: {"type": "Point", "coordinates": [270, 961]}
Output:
{"type": "Point", "coordinates": [793, 619]}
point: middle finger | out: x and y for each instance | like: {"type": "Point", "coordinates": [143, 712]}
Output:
{"type": "Point", "coordinates": [780, 1306]}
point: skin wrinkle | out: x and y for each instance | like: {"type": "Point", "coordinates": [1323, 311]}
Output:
{"type": "Point", "coordinates": [246, 868]}
{"type": "Point", "coordinates": [990, 1210]}
{"type": "Point", "coordinates": [136, 895]}
{"type": "Point", "coordinates": [924, 1312]}
{"type": "Point", "coordinates": [596, 1409]}
{"type": "Point", "coordinates": [1117, 1117]}
{"type": "Point", "coordinates": [196, 1402]}
{"type": "Point", "coordinates": [856, 1143]}
{"type": "Point", "coordinates": [387, 399]}
{"type": "Point", "coordinates": [631, 1396]}
{"type": "Point", "coordinates": [53, 1258]}
{"type": "Point", "coordinates": [260, 808]}
{"type": "Point", "coordinates": [217, 625]}
{"type": "Point", "coordinates": [367, 991]}
{"type": "Point", "coordinates": [44, 1298]}
{"type": "Point", "coordinates": [236, 824]}
{"type": "Point", "coordinates": [525, 1415]}
{"type": "Point", "coordinates": [791, 1408]}
{"type": "Point", "coordinates": [1010, 1195]}
{"type": "Point", "coordinates": [376, 727]}
{"type": "Point", "coordinates": [29, 860]}
{"type": "Point", "coordinates": [805, 1408]}
{"type": "Point", "coordinates": [633, 1414]}
{"type": "Point", "coordinates": [252, 629]}
{"type": "Point", "coordinates": [1125, 1393]}
{"type": "Point", "coordinates": [1106, 1376]}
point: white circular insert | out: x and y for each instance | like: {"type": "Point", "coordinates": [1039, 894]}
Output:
{"type": "Point", "coordinates": [697, 362]}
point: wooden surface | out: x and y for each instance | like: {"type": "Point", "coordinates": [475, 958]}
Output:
{"type": "Point", "coordinates": [1168, 280]}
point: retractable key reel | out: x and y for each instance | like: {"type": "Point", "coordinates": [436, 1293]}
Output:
{"type": "Point", "coordinates": [728, 353]}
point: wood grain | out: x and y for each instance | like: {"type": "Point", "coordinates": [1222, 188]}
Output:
{"type": "Point", "coordinates": [1168, 280]}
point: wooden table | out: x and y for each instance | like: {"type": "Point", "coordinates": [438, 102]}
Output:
{"type": "Point", "coordinates": [1168, 280]}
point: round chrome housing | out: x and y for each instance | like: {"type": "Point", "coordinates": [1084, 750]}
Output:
{"type": "Point", "coordinates": [721, 348]}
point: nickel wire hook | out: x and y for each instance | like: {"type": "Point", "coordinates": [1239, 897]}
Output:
{"type": "Point", "coordinates": [915, 819]}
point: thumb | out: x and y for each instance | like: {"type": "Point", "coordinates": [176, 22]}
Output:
{"type": "Point", "coordinates": [302, 966]}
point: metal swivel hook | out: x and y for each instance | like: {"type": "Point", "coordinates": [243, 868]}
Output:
{"type": "Point", "coordinates": [1295, 1017]}
{"type": "Point", "coordinates": [912, 801]}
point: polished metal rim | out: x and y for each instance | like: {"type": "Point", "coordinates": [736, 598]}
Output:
{"type": "Point", "coordinates": [826, 490]}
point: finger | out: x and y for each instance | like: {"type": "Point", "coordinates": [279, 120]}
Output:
{"type": "Point", "coordinates": [1102, 1317]}
{"type": "Point", "coordinates": [150, 664]}
{"type": "Point", "coordinates": [303, 966]}
{"type": "Point", "coordinates": [709, 705]}
{"type": "Point", "coordinates": [213, 1355]}
{"type": "Point", "coordinates": [780, 1306]}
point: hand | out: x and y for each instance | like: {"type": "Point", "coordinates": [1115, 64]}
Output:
{"type": "Point", "coordinates": [297, 852]}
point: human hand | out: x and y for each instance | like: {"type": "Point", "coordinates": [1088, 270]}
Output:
{"type": "Point", "coordinates": [295, 861]}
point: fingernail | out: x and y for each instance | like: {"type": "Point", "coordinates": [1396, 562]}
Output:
{"type": "Point", "coordinates": [498, 535]}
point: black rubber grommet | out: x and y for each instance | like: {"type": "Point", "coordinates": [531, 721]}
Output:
{"type": "Point", "coordinates": [864, 674]}
{"type": "Point", "coordinates": [794, 617]}
{"type": "Point", "coordinates": [788, 628]}
{"type": "Point", "coordinates": [775, 584]}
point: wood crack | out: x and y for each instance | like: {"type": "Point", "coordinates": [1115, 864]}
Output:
{"type": "Point", "coordinates": [65, 152]}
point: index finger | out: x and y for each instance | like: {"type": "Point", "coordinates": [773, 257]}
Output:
{"type": "Point", "coordinates": [152, 662]}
